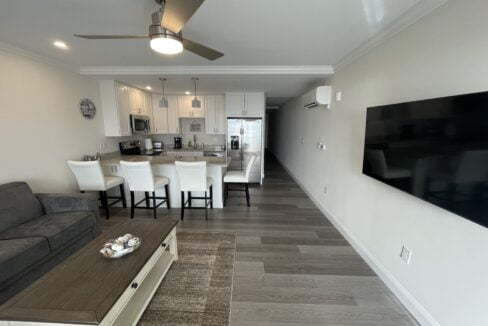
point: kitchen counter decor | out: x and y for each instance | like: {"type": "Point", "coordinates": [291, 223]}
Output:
{"type": "Point", "coordinates": [121, 246]}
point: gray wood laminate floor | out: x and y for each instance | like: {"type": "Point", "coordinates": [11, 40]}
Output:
{"type": "Point", "coordinates": [292, 266]}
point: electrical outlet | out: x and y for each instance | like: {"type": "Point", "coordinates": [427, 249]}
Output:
{"type": "Point", "coordinates": [406, 255]}
{"type": "Point", "coordinates": [325, 190]}
{"type": "Point", "coordinates": [303, 140]}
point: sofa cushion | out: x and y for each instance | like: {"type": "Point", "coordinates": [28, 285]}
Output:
{"type": "Point", "coordinates": [17, 205]}
{"type": "Point", "coordinates": [58, 228]}
{"type": "Point", "coordinates": [18, 254]}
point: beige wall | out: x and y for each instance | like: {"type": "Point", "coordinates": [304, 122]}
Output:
{"type": "Point", "coordinates": [40, 123]}
{"type": "Point", "coordinates": [443, 54]}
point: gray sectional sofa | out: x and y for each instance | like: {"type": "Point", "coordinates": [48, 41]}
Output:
{"type": "Point", "coordinates": [38, 231]}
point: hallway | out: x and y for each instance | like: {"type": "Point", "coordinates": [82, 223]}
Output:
{"type": "Point", "coordinates": [292, 266]}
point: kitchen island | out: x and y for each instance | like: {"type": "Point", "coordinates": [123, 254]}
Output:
{"type": "Point", "coordinates": [164, 165]}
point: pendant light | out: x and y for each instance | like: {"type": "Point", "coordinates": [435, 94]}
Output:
{"type": "Point", "coordinates": [196, 103]}
{"type": "Point", "coordinates": [163, 103]}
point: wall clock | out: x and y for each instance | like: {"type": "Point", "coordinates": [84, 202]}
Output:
{"type": "Point", "coordinates": [87, 108]}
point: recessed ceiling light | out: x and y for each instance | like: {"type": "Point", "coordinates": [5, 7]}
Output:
{"type": "Point", "coordinates": [148, 88]}
{"type": "Point", "coordinates": [187, 93]}
{"type": "Point", "coordinates": [60, 45]}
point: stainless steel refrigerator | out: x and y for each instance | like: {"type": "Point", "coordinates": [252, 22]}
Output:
{"type": "Point", "coordinates": [244, 138]}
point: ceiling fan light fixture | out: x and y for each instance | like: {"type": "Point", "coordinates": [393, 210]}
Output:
{"type": "Point", "coordinates": [166, 45]}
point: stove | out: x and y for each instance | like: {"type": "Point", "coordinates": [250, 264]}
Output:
{"type": "Point", "coordinates": [133, 147]}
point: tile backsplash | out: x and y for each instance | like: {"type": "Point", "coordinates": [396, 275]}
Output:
{"type": "Point", "coordinates": [189, 128]}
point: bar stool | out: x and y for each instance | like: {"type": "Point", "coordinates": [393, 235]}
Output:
{"type": "Point", "coordinates": [89, 176]}
{"type": "Point", "coordinates": [140, 177]}
{"type": "Point", "coordinates": [193, 177]}
{"type": "Point", "coordinates": [239, 177]}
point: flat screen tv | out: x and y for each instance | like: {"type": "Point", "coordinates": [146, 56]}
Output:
{"type": "Point", "coordinates": [436, 150]}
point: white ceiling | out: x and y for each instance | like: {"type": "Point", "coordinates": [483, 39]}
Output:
{"type": "Point", "coordinates": [248, 32]}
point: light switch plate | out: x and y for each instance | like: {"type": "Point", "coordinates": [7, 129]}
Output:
{"type": "Point", "coordinates": [406, 255]}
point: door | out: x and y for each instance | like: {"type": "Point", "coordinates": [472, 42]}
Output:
{"type": "Point", "coordinates": [122, 98]}
{"type": "Point", "coordinates": [234, 105]}
{"type": "Point", "coordinates": [160, 116]}
{"type": "Point", "coordinates": [254, 103]}
{"type": "Point", "coordinates": [234, 138]}
{"type": "Point", "coordinates": [210, 115]}
{"type": "Point", "coordinates": [252, 145]}
{"type": "Point", "coordinates": [173, 118]}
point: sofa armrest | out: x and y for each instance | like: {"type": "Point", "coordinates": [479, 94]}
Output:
{"type": "Point", "coordinates": [59, 203]}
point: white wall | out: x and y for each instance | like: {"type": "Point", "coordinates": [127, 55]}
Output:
{"type": "Point", "coordinates": [443, 54]}
{"type": "Point", "coordinates": [40, 123]}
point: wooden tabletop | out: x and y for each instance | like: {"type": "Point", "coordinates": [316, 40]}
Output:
{"type": "Point", "coordinates": [84, 287]}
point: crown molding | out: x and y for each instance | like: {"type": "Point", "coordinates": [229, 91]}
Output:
{"type": "Point", "coordinates": [207, 70]}
{"type": "Point", "coordinates": [12, 49]}
{"type": "Point", "coordinates": [409, 18]}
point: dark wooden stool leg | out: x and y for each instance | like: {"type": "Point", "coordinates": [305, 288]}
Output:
{"type": "Point", "coordinates": [146, 193]}
{"type": "Point", "coordinates": [189, 199]}
{"type": "Point", "coordinates": [132, 204]}
{"type": "Point", "coordinates": [211, 197]}
{"type": "Point", "coordinates": [122, 195]}
{"type": "Point", "coordinates": [182, 205]}
{"type": "Point", "coordinates": [206, 206]}
{"type": "Point", "coordinates": [247, 195]}
{"type": "Point", "coordinates": [103, 197]}
{"type": "Point", "coordinates": [154, 205]}
{"type": "Point", "coordinates": [167, 196]}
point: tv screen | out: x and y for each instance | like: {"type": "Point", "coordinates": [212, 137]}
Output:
{"type": "Point", "coordinates": [436, 150]}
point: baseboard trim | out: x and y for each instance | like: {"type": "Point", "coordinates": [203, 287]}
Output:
{"type": "Point", "coordinates": [415, 308]}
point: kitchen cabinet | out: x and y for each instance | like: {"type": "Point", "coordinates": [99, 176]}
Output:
{"type": "Point", "coordinates": [214, 115]}
{"type": "Point", "coordinates": [185, 110]}
{"type": "Point", "coordinates": [115, 108]}
{"type": "Point", "coordinates": [241, 105]}
{"type": "Point", "coordinates": [159, 119]}
{"type": "Point", "coordinates": [173, 118]}
{"type": "Point", "coordinates": [165, 120]}
{"type": "Point", "coordinates": [139, 102]}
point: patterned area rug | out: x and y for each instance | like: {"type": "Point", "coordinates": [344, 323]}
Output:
{"type": "Point", "coordinates": [197, 289]}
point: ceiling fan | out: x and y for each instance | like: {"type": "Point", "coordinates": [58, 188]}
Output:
{"type": "Point", "coordinates": [165, 31]}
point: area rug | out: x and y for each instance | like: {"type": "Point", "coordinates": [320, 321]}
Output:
{"type": "Point", "coordinates": [198, 288]}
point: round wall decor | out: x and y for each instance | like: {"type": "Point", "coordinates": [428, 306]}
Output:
{"type": "Point", "coordinates": [87, 108]}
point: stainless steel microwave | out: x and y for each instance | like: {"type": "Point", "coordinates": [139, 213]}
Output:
{"type": "Point", "coordinates": [140, 124]}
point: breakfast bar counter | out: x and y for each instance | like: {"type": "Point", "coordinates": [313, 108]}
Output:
{"type": "Point", "coordinates": [163, 165]}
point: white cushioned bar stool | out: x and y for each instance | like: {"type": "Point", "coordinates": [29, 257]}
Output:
{"type": "Point", "coordinates": [239, 178]}
{"type": "Point", "coordinates": [193, 177]}
{"type": "Point", "coordinates": [140, 177]}
{"type": "Point", "coordinates": [89, 176]}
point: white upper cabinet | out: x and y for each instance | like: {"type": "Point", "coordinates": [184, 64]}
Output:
{"type": "Point", "coordinates": [255, 104]}
{"type": "Point", "coordinates": [159, 116]}
{"type": "Point", "coordinates": [165, 120]}
{"type": "Point", "coordinates": [173, 118]}
{"type": "Point", "coordinates": [214, 115]}
{"type": "Point", "coordinates": [115, 108]}
{"type": "Point", "coordinates": [234, 104]}
{"type": "Point", "coordinates": [241, 105]}
{"type": "Point", "coordinates": [139, 102]}
{"type": "Point", "coordinates": [185, 109]}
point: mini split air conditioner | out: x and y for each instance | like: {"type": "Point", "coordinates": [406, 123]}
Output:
{"type": "Point", "coordinates": [319, 97]}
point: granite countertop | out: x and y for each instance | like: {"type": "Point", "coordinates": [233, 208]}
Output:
{"type": "Point", "coordinates": [115, 158]}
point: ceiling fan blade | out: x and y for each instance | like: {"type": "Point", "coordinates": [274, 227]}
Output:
{"type": "Point", "coordinates": [201, 50]}
{"type": "Point", "coordinates": [111, 37]}
{"type": "Point", "coordinates": [178, 12]}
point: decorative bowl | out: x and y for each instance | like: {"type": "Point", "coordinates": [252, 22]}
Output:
{"type": "Point", "coordinates": [116, 248]}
